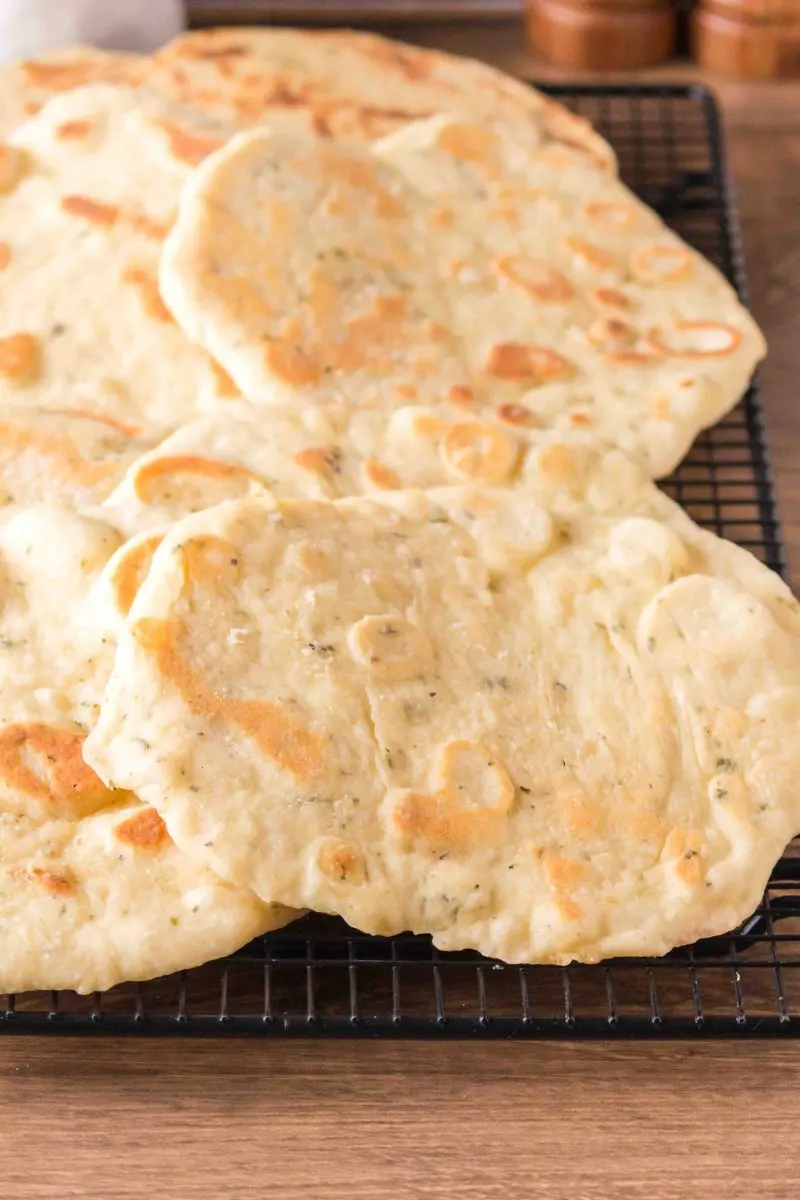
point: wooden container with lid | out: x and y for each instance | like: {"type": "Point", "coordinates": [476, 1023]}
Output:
{"type": "Point", "coordinates": [603, 34]}
{"type": "Point", "coordinates": [753, 39]}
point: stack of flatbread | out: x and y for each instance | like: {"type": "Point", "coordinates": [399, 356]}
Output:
{"type": "Point", "coordinates": [334, 377]}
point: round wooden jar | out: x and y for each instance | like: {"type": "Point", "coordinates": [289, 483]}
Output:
{"type": "Point", "coordinates": [588, 37]}
{"type": "Point", "coordinates": [749, 49]}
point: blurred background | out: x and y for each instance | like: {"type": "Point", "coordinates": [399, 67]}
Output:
{"type": "Point", "coordinates": [749, 39]}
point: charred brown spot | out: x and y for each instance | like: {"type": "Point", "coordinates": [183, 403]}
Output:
{"type": "Point", "coordinates": [90, 210]}
{"type": "Point", "coordinates": [223, 384]}
{"type": "Point", "coordinates": [73, 131]}
{"type": "Point", "coordinates": [612, 331]}
{"type": "Point", "coordinates": [441, 217]}
{"type": "Point", "coordinates": [291, 364]}
{"type": "Point", "coordinates": [460, 395]}
{"type": "Point", "coordinates": [514, 360]}
{"type": "Point", "coordinates": [145, 831]}
{"type": "Point", "coordinates": [380, 476]}
{"type": "Point", "coordinates": [56, 77]}
{"type": "Point", "coordinates": [558, 462]}
{"type": "Point", "coordinates": [564, 872]}
{"type": "Point", "coordinates": [147, 286]}
{"type": "Point", "coordinates": [20, 359]}
{"type": "Point", "coordinates": [131, 571]}
{"type": "Point", "coordinates": [217, 52]}
{"type": "Point", "coordinates": [186, 146]}
{"type": "Point", "coordinates": [319, 460]}
{"type": "Point", "coordinates": [612, 298]}
{"type": "Point", "coordinates": [56, 885]}
{"type": "Point", "coordinates": [189, 464]}
{"type": "Point", "coordinates": [148, 228]}
{"type": "Point", "coordinates": [46, 763]}
{"type": "Point", "coordinates": [515, 414]}
{"type": "Point", "coordinates": [538, 279]}
{"type": "Point", "coordinates": [587, 252]}
{"type": "Point", "coordinates": [342, 864]}
{"type": "Point", "coordinates": [13, 165]}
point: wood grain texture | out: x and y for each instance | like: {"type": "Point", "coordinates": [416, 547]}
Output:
{"type": "Point", "coordinates": [459, 1121]}
{"type": "Point", "coordinates": [364, 1121]}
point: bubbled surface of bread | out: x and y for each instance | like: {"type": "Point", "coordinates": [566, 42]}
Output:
{"type": "Point", "coordinates": [318, 452]}
{"type": "Point", "coordinates": [455, 263]}
{"type": "Point", "coordinates": [26, 86]}
{"type": "Point", "coordinates": [351, 86]}
{"type": "Point", "coordinates": [549, 724]}
{"type": "Point", "coordinates": [93, 890]}
{"type": "Point", "coordinates": [71, 457]}
{"type": "Point", "coordinates": [89, 189]}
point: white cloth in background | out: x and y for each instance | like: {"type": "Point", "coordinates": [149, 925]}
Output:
{"type": "Point", "coordinates": [29, 27]}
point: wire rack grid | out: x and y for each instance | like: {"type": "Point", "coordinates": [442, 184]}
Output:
{"type": "Point", "coordinates": [319, 978]}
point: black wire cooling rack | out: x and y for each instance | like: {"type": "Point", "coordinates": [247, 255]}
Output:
{"type": "Point", "coordinates": [320, 978]}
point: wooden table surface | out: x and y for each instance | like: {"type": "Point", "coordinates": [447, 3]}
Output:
{"type": "Point", "coordinates": [361, 1121]}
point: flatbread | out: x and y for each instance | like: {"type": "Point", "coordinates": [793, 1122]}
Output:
{"type": "Point", "coordinates": [450, 264]}
{"type": "Point", "coordinates": [352, 86]}
{"type": "Point", "coordinates": [90, 189]}
{"type": "Point", "coordinates": [25, 87]}
{"type": "Point", "coordinates": [69, 458]}
{"type": "Point", "coordinates": [92, 889]}
{"type": "Point", "coordinates": [318, 452]}
{"type": "Point", "coordinates": [550, 724]}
